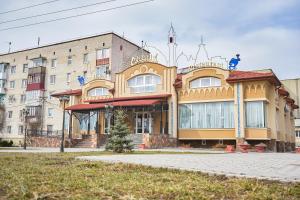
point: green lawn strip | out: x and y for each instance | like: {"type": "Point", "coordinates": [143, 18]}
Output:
{"type": "Point", "coordinates": [61, 176]}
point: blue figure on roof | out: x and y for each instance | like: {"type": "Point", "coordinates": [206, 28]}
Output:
{"type": "Point", "coordinates": [81, 80]}
{"type": "Point", "coordinates": [234, 62]}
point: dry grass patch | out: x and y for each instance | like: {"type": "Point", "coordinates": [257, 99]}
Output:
{"type": "Point", "coordinates": [61, 176]}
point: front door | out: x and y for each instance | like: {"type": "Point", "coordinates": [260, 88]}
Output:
{"type": "Point", "coordinates": [143, 122]}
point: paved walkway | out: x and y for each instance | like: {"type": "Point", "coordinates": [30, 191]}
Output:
{"type": "Point", "coordinates": [272, 166]}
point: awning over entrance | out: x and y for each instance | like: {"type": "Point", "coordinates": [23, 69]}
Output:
{"type": "Point", "coordinates": [145, 102]}
{"type": "Point", "coordinates": [87, 107]}
{"type": "Point", "coordinates": [136, 98]}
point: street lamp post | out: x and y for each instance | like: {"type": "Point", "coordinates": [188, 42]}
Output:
{"type": "Point", "coordinates": [63, 99]}
{"type": "Point", "coordinates": [25, 112]}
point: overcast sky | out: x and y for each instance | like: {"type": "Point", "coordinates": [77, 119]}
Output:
{"type": "Point", "coordinates": [265, 32]}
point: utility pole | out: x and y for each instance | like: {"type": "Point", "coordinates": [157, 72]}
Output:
{"type": "Point", "coordinates": [63, 100]}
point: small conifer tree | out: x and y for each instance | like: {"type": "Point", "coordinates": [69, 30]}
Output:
{"type": "Point", "coordinates": [118, 140]}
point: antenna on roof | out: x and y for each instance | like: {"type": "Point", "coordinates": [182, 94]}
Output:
{"type": "Point", "coordinates": [9, 47]}
{"type": "Point", "coordinates": [39, 39]}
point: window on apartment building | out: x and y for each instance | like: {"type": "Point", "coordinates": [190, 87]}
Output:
{"type": "Point", "coordinates": [68, 77]}
{"type": "Point", "coordinates": [205, 82]}
{"type": "Point", "coordinates": [23, 98]}
{"type": "Point", "coordinates": [50, 112]}
{"type": "Point", "coordinates": [49, 128]}
{"type": "Point", "coordinates": [53, 63]}
{"type": "Point", "coordinates": [85, 58]}
{"type": "Point", "coordinates": [34, 78]}
{"type": "Point", "coordinates": [11, 99]}
{"type": "Point", "coordinates": [52, 79]}
{"type": "Point", "coordinates": [25, 68]}
{"type": "Point", "coordinates": [255, 114]}
{"type": "Point", "coordinates": [2, 83]}
{"type": "Point", "coordinates": [32, 95]}
{"type": "Point", "coordinates": [21, 114]}
{"type": "Point", "coordinates": [13, 69]}
{"type": "Point", "coordinates": [144, 83]}
{"type": "Point", "coordinates": [103, 53]}
{"type": "Point", "coordinates": [8, 128]}
{"type": "Point", "coordinates": [297, 134]}
{"type": "Point", "coordinates": [21, 130]}
{"type": "Point", "coordinates": [206, 115]}
{"type": "Point", "coordinates": [100, 91]}
{"type": "Point", "coordinates": [12, 84]}
{"type": "Point", "coordinates": [24, 83]}
{"type": "Point", "coordinates": [10, 113]}
{"type": "Point", "coordinates": [102, 71]}
{"type": "Point", "coordinates": [49, 95]}
{"type": "Point", "coordinates": [69, 60]}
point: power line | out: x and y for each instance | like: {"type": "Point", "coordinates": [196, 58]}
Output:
{"type": "Point", "coordinates": [74, 16]}
{"type": "Point", "coordinates": [55, 12]}
{"type": "Point", "coordinates": [35, 5]}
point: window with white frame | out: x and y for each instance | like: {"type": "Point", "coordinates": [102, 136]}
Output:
{"type": "Point", "coordinates": [33, 95]}
{"type": "Point", "coordinates": [25, 68]}
{"type": "Point", "coordinates": [53, 63]}
{"type": "Point", "coordinates": [2, 83]}
{"type": "Point", "coordinates": [24, 83]}
{"type": "Point", "coordinates": [8, 128]}
{"type": "Point", "coordinates": [21, 130]}
{"type": "Point", "coordinates": [297, 134]}
{"type": "Point", "coordinates": [69, 60]}
{"type": "Point", "coordinates": [50, 112]}
{"type": "Point", "coordinates": [100, 91]}
{"type": "Point", "coordinates": [49, 128]}
{"type": "Point", "coordinates": [10, 113]}
{"type": "Point", "coordinates": [52, 79]}
{"type": "Point", "coordinates": [23, 98]}
{"type": "Point", "coordinates": [85, 58]}
{"type": "Point", "coordinates": [11, 99]}
{"type": "Point", "coordinates": [68, 77]}
{"type": "Point", "coordinates": [13, 69]}
{"type": "Point", "coordinates": [102, 71]}
{"type": "Point", "coordinates": [144, 83]}
{"type": "Point", "coordinates": [205, 82]}
{"type": "Point", "coordinates": [103, 53]}
{"type": "Point", "coordinates": [206, 115]}
{"type": "Point", "coordinates": [255, 114]}
{"type": "Point", "coordinates": [12, 84]}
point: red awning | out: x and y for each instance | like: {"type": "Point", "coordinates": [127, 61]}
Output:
{"type": "Point", "coordinates": [145, 102]}
{"type": "Point", "coordinates": [160, 96]}
{"type": "Point", "coordinates": [96, 106]}
{"type": "Point", "coordinates": [86, 107]}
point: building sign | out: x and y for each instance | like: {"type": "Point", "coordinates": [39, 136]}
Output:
{"type": "Point", "coordinates": [143, 58]}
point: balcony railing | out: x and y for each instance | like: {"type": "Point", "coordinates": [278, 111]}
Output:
{"type": "Point", "coordinates": [37, 70]}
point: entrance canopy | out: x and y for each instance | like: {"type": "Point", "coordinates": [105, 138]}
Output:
{"type": "Point", "coordinates": [97, 106]}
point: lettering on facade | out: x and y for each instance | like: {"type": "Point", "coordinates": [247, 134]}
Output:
{"type": "Point", "coordinates": [144, 58]}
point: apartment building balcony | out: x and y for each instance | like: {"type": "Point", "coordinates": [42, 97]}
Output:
{"type": "Point", "coordinates": [36, 78]}
{"type": "Point", "coordinates": [3, 90]}
{"type": "Point", "coordinates": [38, 62]}
{"type": "Point", "coordinates": [35, 113]}
{"type": "Point", "coordinates": [102, 61]}
{"type": "Point", "coordinates": [3, 75]}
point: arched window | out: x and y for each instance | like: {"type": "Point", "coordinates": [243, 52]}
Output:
{"type": "Point", "coordinates": [205, 82]}
{"type": "Point", "coordinates": [99, 91]}
{"type": "Point", "coordinates": [143, 83]}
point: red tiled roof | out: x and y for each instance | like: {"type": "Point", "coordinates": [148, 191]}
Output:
{"type": "Point", "coordinates": [238, 76]}
{"type": "Point", "coordinates": [96, 106]}
{"type": "Point", "coordinates": [161, 96]}
{"type": "Point", "coordinates": [76, 92]}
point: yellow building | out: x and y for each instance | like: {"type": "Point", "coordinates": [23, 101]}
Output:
{"type": "Point", "coordinates": [202, 107]}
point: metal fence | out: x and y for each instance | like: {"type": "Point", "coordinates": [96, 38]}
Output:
{"type": "Point", "coordinates": [44, 133]}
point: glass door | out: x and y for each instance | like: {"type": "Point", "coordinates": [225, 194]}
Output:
{"type": "Point", "coordinates": [143, 122]}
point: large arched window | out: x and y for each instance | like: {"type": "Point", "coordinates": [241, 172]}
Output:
{"type": "Point", "coordinates": [99, 91]}
{"type": "Point", "coordinates": [205, 82]}
{"type": "Point", "coordinates": [143, 83]}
